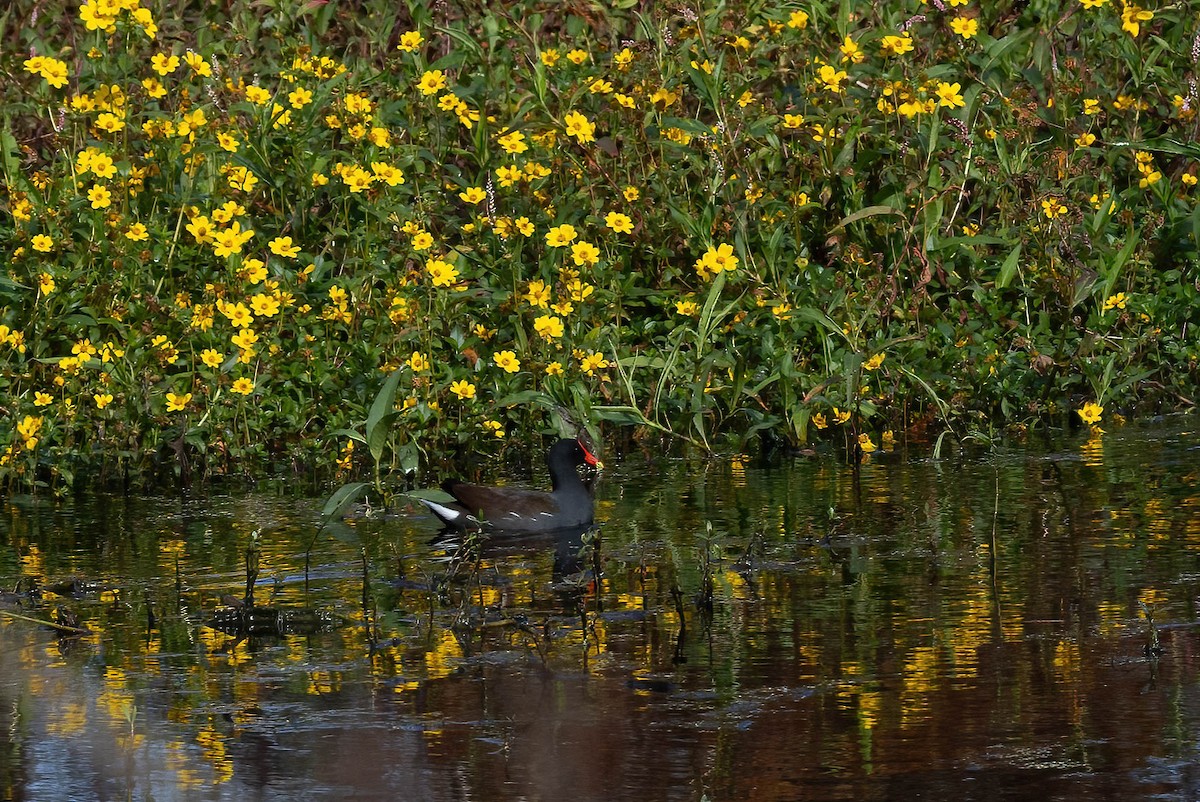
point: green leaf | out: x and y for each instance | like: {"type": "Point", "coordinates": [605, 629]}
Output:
{"type": "Point", "coordinates": [341, 500]}
{"type": "Point", "coordinates": [1009, 269]}
{"type": "Point", "coordinates": [870, 211]}
{"type": "Point", "coordinates": [382, 413]}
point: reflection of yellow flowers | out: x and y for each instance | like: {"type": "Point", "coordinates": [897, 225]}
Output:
{"type": "Point", "coordinates": [1090, 412]}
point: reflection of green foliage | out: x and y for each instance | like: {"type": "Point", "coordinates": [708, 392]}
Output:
{"type": "Point", "coordinates": [966, 209]}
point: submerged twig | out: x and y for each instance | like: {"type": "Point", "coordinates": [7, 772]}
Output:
{"type": "Point", "coordinates": [55, 626]}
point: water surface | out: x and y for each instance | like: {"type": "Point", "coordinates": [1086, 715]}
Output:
{"type": "Point", "coordinates": [973, 629]}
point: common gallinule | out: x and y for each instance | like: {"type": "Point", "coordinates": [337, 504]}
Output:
{"type": "Point", "coordinates": [512, 509]}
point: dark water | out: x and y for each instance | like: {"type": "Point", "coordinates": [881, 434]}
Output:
{"type": "Point", "coordinates": [966, 630]}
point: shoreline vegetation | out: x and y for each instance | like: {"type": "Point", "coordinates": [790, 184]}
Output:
{"type": "Point", "coordinates": [262, 239]}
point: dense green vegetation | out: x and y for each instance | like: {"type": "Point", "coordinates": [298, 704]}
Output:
{"type": "Point", "coordinates": [732, 223]}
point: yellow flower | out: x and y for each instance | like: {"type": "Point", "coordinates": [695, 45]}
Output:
{"type": "Point", "coordinates": [895, 45]}
{"type": "Point", "coordinates": [631, 194]}
{"type": "Point", "coordinates": [550, 56]}
{"type": "Point", "coordinates": [579, 127]}
{"type": "Point", "coordinates": [245, 339]}
{"type": "Point", "coordinates": [164, 64]}
{"type": "Point", "coordinates": [282, 246]}
{"type": "Point", "coordinates": [1090, 412]}
{"type": "Point", "coordinates": [549, 327]}
{"type": "Point", "coordinates": [178, 403]}
{"type": "Point", "coordinates": [577, 56]}
{"type": "Point", "coordinates": [851, 51]}
{"type": "Point", "coordinates": [212, 358]}
{"type": "Point", "coordinates": [874, 362]}
{"type": "Point", "coordinates": [100, 197]}
{"type": "Point", "coordinates": [798, 20]}
{"type": "Point", "coordinates": [29, 427]}
{"type": "Point", "coordinates": [715, 259]}
{"type": "Point", "coordinates": [1114, 301]}
{"type": "Point", "coordinates": [538, 294]}
{"type": "Point", "coordinates": [237, 313]}
{"type": "Point", "coordinates": [473, 195]}
{"type": "Point", "coordinates": [507, 361]}
{"type": "Point", "coordinates": [554, 369]}
{"type": "Point", "coordinates": [441, 273]}
{"type": "Point", "coordinates": [41, 399]}
{"type": "Point", "coordinates": [198, 64]}
{"type": "Point", "coordinates": [243, 386]}
{"type": "Point", "coordinates": [418, 362]}
{"type": "Point", "coordinates": [432, 82]}
{"type": "Point", "coordinates": [410, 41]}
{"type": "Point", "coordinates": [1053, 207]}
{"type": "Point", "coordinates": [495, 426]}
{"type": "Point", "coordinates": [264, 305]}
{"type": "Point", "coordinates": [257, 95]}
{"type": "Point", "coordinates": [299, 97]}
{"type": "Point", "coordinates": [1132, 18]}
{"type": "Point", "coordinates": [102, 399]}
{"type": "Point", "coordinates": [832, 78]}
{"type": "Point", "coordinates": [46, 283]}
{"type": "Point", "coordinates": [949, 95]}
{"type": "Point", "coordinates": [966, 27]}
{"type": "Point", "coordinates": [1085, 140]}
{"type": "Point", "coordinates": [230, 241]}
{"type": "Point", "coordinates": [524, 225]}
{"type": "Point", "coordinates": [109, 122]}
{"type": "Point", "coordinates": [51, 69]}
{"type": "Point", "coordinates": [864, 442]}
{"type": "Point", "coordinates": [585, 253]}
{"type": "Point", "coordinates": [592, 362]}
{"type": "Point", "coordinates": [422, 241]}
{"type": "Point", "coordinates": [560, 235]}
{"type": "Point", "coordinates": [42, 243]}
{"type": "Point", "coordinates": [618, 222]}
{"type": "Point", "coordinates": [687, 307]}
{"type": "Point", "coordinates": [463, 389]}
{"type": "Point", "coordinates": [137, 232]}
{"type": "Point", "coordinates": [513, 142]}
